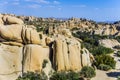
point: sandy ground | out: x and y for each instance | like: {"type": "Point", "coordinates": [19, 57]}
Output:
{"type": "Point", "coordinates": [109, 75]}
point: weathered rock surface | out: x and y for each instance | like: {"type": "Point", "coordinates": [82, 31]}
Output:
{"type": "Point", "coordinates": [22, 48]}
{"type": "Point", "coordinates": [110, 43]}
{"type": "Point", "coordinates": [19, 33]}
{"type": "Point", "coordinates": [11, 20]}
{"type": "Point", "coordinates": [34, 56]}
{"type": "Point", "coordinates": [67, 55]}
{"type": "Point", "coordinates": [10, 62]}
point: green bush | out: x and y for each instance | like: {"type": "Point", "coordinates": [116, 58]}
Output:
{"type": "Point", "coordinates": [106, 60]}
{"type": "Point", "coordinates": [65, 76]}
{"type": "Point", "coordinates": [73, 76]}
{"type": "Point", "coordinates": [32, 76]}
{"type": "Point", "coordinates": [44, 63]}
{"type": "Point", "coordinates": [88, 72]}
{"type": "Point", "coordinates": [104, 67]}
{"type": "Point", "coordinates": [58, 76]}
{"type": "Point", "coordinates": [118, 78]}
{"type": "Point", "coordinates": [100, 50]}
{"type": "Point", "coordinates": [118, 53]}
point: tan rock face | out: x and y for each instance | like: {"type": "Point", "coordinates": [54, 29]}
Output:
{"type": "Point", "coordinates": [110, 43]}
{"type": "Point", "coordinates": [30, 36]}
{"type": "Point", "coordinates": [14, 32]}
{"type": "Point", "coordinates": [106, 30]}
{"type": "Point", "coordinates": [34, 56]}
{"type": "Point", "coordinates": [10, 61]}
{"type": "Point", "coordinates": [11, 32]}
{"type": "Point", "coordinates": [23, 49]}
{"type": "Point", "coordinates": [12, 56]}
{"type": "Point", "coordinates": [12, 20]}
{"type": "Point", "coordinates": [1, 21]}
{"type": "Point", "coordinates": [67, 55]}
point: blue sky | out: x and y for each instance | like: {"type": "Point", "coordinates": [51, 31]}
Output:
{"type": "Point", "coordinates": [99, 10]}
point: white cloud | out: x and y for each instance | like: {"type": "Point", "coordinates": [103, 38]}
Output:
{"type": "Point", "coordinates": [56, 2]}
{"type": "Point", "coordinates": [51, 6]}
{"type": "Point", "coordinates": [16, 0]}
{"type": "Point", "coordinates": [81, 6]}
{"type": "Point", "coordinates": [34, 6]}
{"type": "Point", "coordinates": [59, 8]}
{"type": "Point", "coordinates": [3, 3]}
{"type": "Point", "coordinates": [15, 3]}
{"type": "Point", "coordinates": [96, 8]}
{"type": "Point", "coordinates": [39, 1]}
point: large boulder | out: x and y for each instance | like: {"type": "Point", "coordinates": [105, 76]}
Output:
{"type": "Point", "coordinates": [34, 55]}
{"type": "Point", "coordinates": [12, 20]}
{"type": "Point", "coordinates": [11, 32]}
{"type": "Point", "coordinates": [10, 62]}
{"type": "Point", "coordinates": [68, 55]}
{"type": "Point", "coordinates": [30, 36]}
{"type": "Point", "coordinates": [19, 33]}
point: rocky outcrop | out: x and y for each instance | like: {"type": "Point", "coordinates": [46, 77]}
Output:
{"type": "Point", "coordinates": [19, 33]}
{"type": "Point", "coordinates": [106, 30]}
{"type": "Point", "coordinates": [23, 49]}
{"type": "Point", "coordinates": [10, 61]}
{"type": "Point", "coordinates": [110, 43]}
{"type": "Point", "coordinates": [34, 55]}
{"type": "Point", "coordinates": [11, 20]}
{"type": "Point", "coordinates": [68, 55]}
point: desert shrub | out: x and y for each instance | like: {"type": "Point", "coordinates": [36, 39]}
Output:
{"type": "Point", "coordinates": [118, 78]}
{"type": "Point", "coordinates": [32, 76]}
{"type": "Point", "coordinates": [88, 72]}
{"type": "Point", "coordinates": [58, 76]}
{"type": "Point", "coordinates": [73, 76]}
{"type": "Point", "coordinates": [104, 67]}
{"type": "Point", "coordinates": [100, 50]}
{"type": "Point", "coordinates": [118, 53]}
{"type": "Point", "coordinates": [44, 63]}
{"type": "Point", "coordinates": [117, 38]}
{"type": "Point", "coordinates": [65, 76]}
{"type": "Point", "coordinates": [106, 60]}
{"type": "Point", "coordinates": [91, 42]}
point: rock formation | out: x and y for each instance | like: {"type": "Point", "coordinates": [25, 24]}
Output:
{"type": "Point", "coordinates": [23, 49]}
{"type": "Point", "coordinates": [110, 43]}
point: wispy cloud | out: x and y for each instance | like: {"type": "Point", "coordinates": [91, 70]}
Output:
{"type": "Point", "coordinates": [96, 8]}
{"type": "Point", "coordinates": [3, 3]}
{"type": "Point", "coordinates": [16, 0]}
{"type": "Point", "coordinates": [34, 6]}
{"type": "Point", "coordinates": [15, 3]}
{"type": "Point", "coordinates": [50, 6]}
{"type": "Point", "coordinates": [39, 1]}
{"type": "Point", "coordinates": [56, 2]}
{"type": "Point", "coordinates": [59, 8]}
{"type": "Point", "coordinates": [81, 6]}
